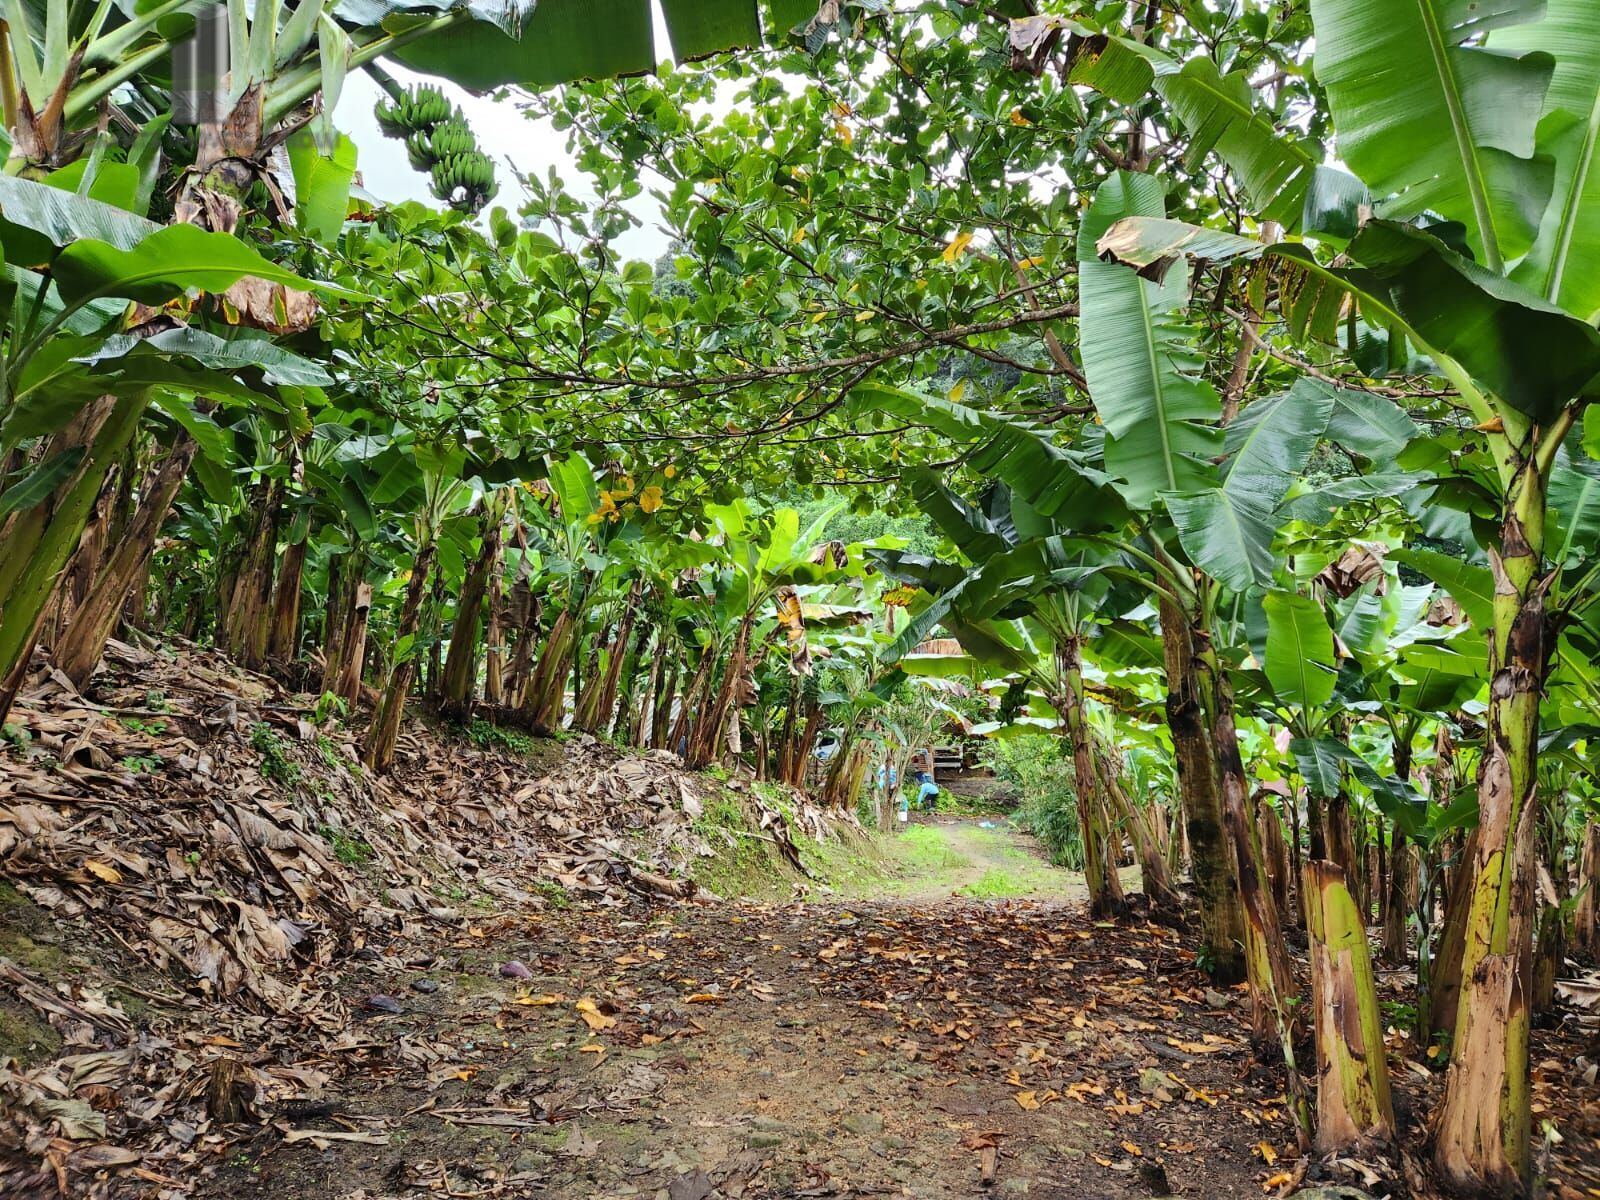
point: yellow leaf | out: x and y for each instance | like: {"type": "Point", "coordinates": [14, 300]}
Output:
{"type": "Point", "coordinates": [799, 236]}
{"type": "Point", "coordinates": [957, 246]}
{"type": "Point", "coordinates": [705, 998]}
{"type": "Point", "coordinates": [669, 470]}
{"type": "Point", "coordinates": [103, 871]}
{"type": "Point", "coordinates": [592, 1016]}
{"type": "Point", "coordinates": [958, 391]}
{"type": "Point", "coordinates": [846, 135]}
{"type": "Point", "coordinates": [819, 318]}
{"type": "Point", "coordinates": [540, 1001]}
{"type": "Point", "coordinates": [1267, 1153]}
{"type": "Point", "coordinates": [1029, 263]}
{"type": "Point", "coordinates": [866, 314]}
{"type": "Point", "coordinates": [1133, 1149]}
{"type": "Point", "coordinates": [1277, 1181]}
{"type": "Point", "coordinates": [650, 499]}
{"type": "Point", "coordinates": [1017, 117]}
{"type": "Point", "coordinates": [592, 1048]}
{"type": "Point", "coordinates": [1026, 1101]}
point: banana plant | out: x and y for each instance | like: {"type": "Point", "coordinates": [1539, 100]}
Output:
{"type": "Point", "coordinates": [1481, 257]}
{"type": "Point", "coordinates": [1029, 568]}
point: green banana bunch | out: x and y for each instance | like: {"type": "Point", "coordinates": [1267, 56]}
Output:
{"type": "Point", "coordinates": [419, 110]}
{"type": "Point", "coordinates": [445, 140]}
{"type": "Point", "coordinates": [465, 181]}
{"type": "Point", "coordinates": [439, 142]}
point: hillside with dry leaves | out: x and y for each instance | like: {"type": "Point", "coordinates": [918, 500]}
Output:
{"type": "Point", "coordinates": [193, 864]}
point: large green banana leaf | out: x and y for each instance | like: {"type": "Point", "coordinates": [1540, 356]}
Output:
{"type": "Point", "coordinates": [1431, 120]}
{"type": "Point", "coordinates": [1564, 264]}
{"type": "Point", "coordinates": [1530, 354]}
{"type": "Point", "coordinates": [1140, 360]}
{"type": "Point", "coordinates": [166, 264]}
{"type": "Point", "coordinates": [553, 41]}
{"type": "Point", "coordinates": [1469, 584]}
{"type": "Point", "coordinates": [1054, 482]}
{"type": "Point", "coordinates": [1227, 531]}
{"type": "Point", "coordinates": [1218, 111]}
{"type": "Point", "coordinates": [1300, 665]}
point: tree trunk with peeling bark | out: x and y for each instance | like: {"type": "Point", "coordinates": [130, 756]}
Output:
{"type": "Point", "coordinates": [378, 749]}
{"type": "Point", "coordinates": [36, 543]}
{"type": "Point", "coordinates": [347, 685]}
{"type": "Point", "coordinates": [1273, 990]}
{"type": "Point", "coordinates": [1354, 1109]}
{"type": "Point", "coordinates": [1153, 874]}
{"type": "Point", "coordinates": [460, 663]}
{"type": "Point", "coordinates": [1445, 973]}
{"type": "Point", "coordinates": [1586, 919]}
{"type": "Point", "coordinates": [1215, 883]}
{"type": "Point", "coordinates": [283, 644]}
{"type": "Point", "coordinates": [249, 624]}
{"type": "Point", "coordinates": [1099, 867]}
{"type": "Point", "coordinates": [1481, 1132]}
{"type": "Point", "coordinates": [544, 702]}
{"type": "Point", "coordinates": [78, 651]}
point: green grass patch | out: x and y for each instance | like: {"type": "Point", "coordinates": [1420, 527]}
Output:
{"type": "Point", "coordinates": [996, 884]}
{"type": "Point", "coordinates": [352, 852]}
{"type": "Point", "coordinates": [923, 849]}
{"type": "Point", "coordinates": [486, 736]}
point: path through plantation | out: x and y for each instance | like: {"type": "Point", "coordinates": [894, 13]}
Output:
{"type": "Point", "coordinates": [897, 1046]}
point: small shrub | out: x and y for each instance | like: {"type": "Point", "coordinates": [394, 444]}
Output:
{"type": "Point", "coordinates": [329, 705]}
{"type": "Point", "coordinates": [329, 752]}
{"type": "Point", "coordinates": [352, 852]}
{"type": "Point", "coordinates": [484, 736]}
{"type": "Point", "coordinates": [1037, 769]}
{"type": "Point", "coordinates": [141, 764]}
{"type": "Point", "coordinates": [554, 894]}
{"type": "Point", "coordinates": [276, 764]}
{"type": "Point", "coordinates": [135, 725]}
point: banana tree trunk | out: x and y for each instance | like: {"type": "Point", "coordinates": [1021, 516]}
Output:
{"type": "Point", "coordinates": [1099, 869]}
{"type": "Point", "coordinates": [707, 744]}
{"type": "Point", "coordinates": [544, 703]}
{"type": "Point", "coordinates": [283, 642]}
{"type": "Point", "coordinates": [1274, 853]}
{"type": "Point", "coordinates": [249, 624]}
{"type": "Point", "coordinates": [494, 637]}
{"type": "Point", "coordinates": [1482, 1126]}
{"type": "Point", "coordinates": [1444, 976]}
{"type": "Point", "coordinates": [1586, 920]}
{"type": "Point", "coordinates": [378, 749]}
{"type": "Point", "coordinates": [78, 651]}
{"type": "Point", "coordinates": [693, 701]}
{"type": "Point", "coordinates": [661, 706]}
{"type": "Point", "coordinates": [341, 590]}
{"type": "Point", "coordinates": [354, 645]}
{"type": "Point", "coordinates": [606, 684]}
{"type": "Point", "coordinates": [36, 543]}
{"type": "Point", "coordinates": [1215, 883]}
{"type": "Point", "coordinates": [1401, 899]}
{"type": "Point", "coordinates": [1153, 873]}
{"type": "Point", "coordinates": [460, 663]}
{"type": "Point", "coordinates": [1353, 1103]}
{"type": "Point", "coordinates": [1272, 984]}
{"type": "Point", "coordinates": [628, 692]}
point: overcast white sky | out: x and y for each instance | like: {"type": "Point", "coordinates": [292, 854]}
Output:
{"type": "Point", "coordinates": [503, 132]}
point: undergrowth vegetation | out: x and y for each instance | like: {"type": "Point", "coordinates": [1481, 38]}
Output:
{"type": "Point", "coordinates": [1036, 768]}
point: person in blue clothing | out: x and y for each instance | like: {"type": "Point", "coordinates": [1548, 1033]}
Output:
{"type": "Point", "coordinates": [927, 790]}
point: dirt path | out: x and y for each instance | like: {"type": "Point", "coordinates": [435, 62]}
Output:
{"type": "Point", "coordinates": [884, 1049]}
